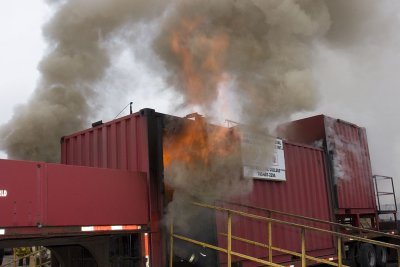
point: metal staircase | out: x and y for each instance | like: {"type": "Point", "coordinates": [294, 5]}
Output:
{"type": "Point", "coordinates": [339, 232]}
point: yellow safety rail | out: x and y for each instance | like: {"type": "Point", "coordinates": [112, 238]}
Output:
{"type": "Point", "coordinates": [270, 221]}
{"type": "Point", "coordinates": [270, 212]}
{"type": "Point", "coordinates": [16, 259]}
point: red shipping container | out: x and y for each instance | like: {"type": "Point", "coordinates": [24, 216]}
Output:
{"type": "Point", "coordinates": [303, 193]}
{"type": "Point", "coordinates": [133, 143]}
{"type": "Point", "coordinates": [119, 144]}
{"type": "Point", "coordinates": [53, 195]}
{"type": "Point", "coordinates": [349, 163]}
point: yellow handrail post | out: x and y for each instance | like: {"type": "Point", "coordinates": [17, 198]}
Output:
{"type": "Point", "coordinates": [171, 245]}
{"type": "Point", "coordinates": [339, 248]}
{"type": "Point", "coordinates": [302, 256]}
{"type": "Point", "coordinates": [269, 238]}
{"type": "Point", "coordinates": [398, 255]}
{"type": "Point", "coordinates": [40, 255]}
{"type": "Point", "coordinates": [15, 257]}
{"type": "Point", "coordinates": [303, 247]}
{"type": "Point", "coordinates": [229, 248]}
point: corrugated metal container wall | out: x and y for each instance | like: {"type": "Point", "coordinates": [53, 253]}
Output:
{"type": "Point", "coordinates": [347, 146]}
{"type": "Point", "coordinates": [130, 143]}
{"type": "Point", "coordinates": [351, 164]}
{"type": "Point", "coordinates": [120, 144]}
{"type": "Point", "coordinates": [304, 193]}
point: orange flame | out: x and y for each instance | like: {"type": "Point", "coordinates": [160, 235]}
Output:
{"type": "Point", "coordinates": [201, 58]}
{"type": "Point", "coordinates": [197, 144]}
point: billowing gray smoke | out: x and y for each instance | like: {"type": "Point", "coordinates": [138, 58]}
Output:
{"type": "Point", "coordinates": [256, 51]}
{"type": "Point", "coordinates": [77, 58]}
{"type": "Point", "coordinates": [262, 46]}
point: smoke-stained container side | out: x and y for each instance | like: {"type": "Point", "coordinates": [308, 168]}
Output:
{"type": "Point", "coordinates": [349, 164]}
{"type": "Point", "coordinates": [133, 143]}
{"type": "Point", "coordinates": [352, 165]}
{"type": "Point", "coordinates": [304, 193]}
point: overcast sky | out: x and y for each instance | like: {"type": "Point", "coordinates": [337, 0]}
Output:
{"type": "Point", "coordinates": [358, 81]}
{"type": "Point", "coordinates": [22, 47]}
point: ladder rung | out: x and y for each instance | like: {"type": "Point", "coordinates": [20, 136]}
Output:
{"type": "Point", "coordinates": [387, 211]}
{"type": "Point", "coordinates": [385, 193]}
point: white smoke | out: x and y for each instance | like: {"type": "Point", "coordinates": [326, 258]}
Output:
{"type": "Point", "coordinates": [344, 152]}
{"type": "Point", "coordinates": [355, 68]}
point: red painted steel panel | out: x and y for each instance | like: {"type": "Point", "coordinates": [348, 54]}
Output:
{"type": "Point", "coordinates": [305, 131]}
{"type": "Point", "coordinates": [350, 163]}
{"type": "Point", "coordinates": [60, 195]}
{"type": "Point", "coordinates": [303, 193]}
{"type": "Point", "coordinates": [352, 166]}
{"type": "Point", "coordinates": [94, 196]}
{"type": "Point", "coordinates": [119, 144]}
{"type": "Point", "coordinates": [128, 143]}
{"type": "Point", "coordinates": [22, 182]}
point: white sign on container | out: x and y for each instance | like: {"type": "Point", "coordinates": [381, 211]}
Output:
{"type": "Point", "coordinates": [269, 171]}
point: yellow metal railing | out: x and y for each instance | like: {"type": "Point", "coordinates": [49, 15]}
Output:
{"type": "Point", "coordinates": [34, 253]}
{"type": "Point", "coordinates": [270, 221]}
{"type": "Point", "coordinates": [359, 230]}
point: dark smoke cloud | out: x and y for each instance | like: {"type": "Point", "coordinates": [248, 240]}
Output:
{"type": "Point", "coordinates": [77, 59]}
{"type": "Point", "coordinates": [258, 51]}
{"type": "Point", "coordinates": [263, 46]}
{"type": "Point", "coordinates": [262, 49]}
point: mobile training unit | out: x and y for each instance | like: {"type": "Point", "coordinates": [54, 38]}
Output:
{"type": "Point", "coordinates": [106, 203]}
